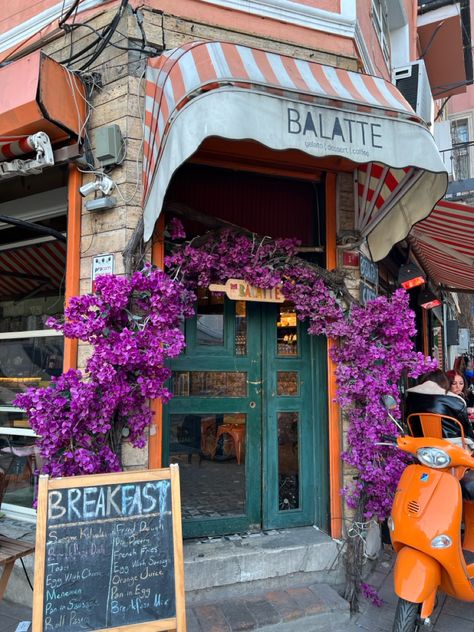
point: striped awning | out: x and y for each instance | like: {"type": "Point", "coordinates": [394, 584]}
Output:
{"type": "Point", "coordinates": [32, 268]}
{"type": "Point", "coordinates": [443, 244]}
{"type": "Point", "coordinates": [218, 89]}
{"type": "Point", "coordinates": [12, 146]}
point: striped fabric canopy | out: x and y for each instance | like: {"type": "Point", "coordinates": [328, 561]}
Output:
{"type": "Point", "coordinates": [443, 244]}
{"type": "Point", "coordinates": [219, 89]}
{"type": "Point", "coordinates": [35, 267]}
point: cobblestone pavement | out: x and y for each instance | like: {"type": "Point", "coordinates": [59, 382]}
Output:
{"type": "Point", "coordinates": [449, 616]}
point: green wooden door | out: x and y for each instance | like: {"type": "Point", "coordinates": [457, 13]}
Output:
{"type": "Point", "coordinates": [294, 422]}
{"type": "Point", "coordinates": [242, 424]}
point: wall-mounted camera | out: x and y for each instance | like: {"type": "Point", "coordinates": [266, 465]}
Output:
{"type": "Point", "coordinates": [103, 183]}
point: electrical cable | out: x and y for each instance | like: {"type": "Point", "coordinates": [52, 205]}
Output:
{"type": "Point", "coordinates": [80, 53]}
{"type": "Point", "coordinates": [102, 40]}
{"type": "Point", "coordinates": [110, 31]}
{"type": "Point", "coordinates": [70, 11]}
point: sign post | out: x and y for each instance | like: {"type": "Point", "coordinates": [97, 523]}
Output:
{"type": "Point", "coordinates": [109, 553]}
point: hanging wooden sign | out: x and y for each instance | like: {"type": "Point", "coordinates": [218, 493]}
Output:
{"type": "Point", "coordinates": [109, 553]}
{"type": "Point", "coordinates": [240, 290]}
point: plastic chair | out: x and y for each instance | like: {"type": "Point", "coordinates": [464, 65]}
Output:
{"type": "Point", "coordinates": [432, 425]}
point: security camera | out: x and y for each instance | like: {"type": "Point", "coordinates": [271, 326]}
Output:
{"type": "Point", "coordinates": [88, 188]}
{"type": "Point", "coordinates": [103, 183]}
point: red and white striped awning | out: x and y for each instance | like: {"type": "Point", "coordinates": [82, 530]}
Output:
{"type": "Point", "coordinates": [12, 146]}
{"type": "Point", "coordinates": [218, 89]}
{"type": "Point", "coordinates": [443, 244]}
{"type": "Point", "coordinates": [40, 266]}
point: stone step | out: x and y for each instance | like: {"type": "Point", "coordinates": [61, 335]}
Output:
{"type": "Point", "coordinates": [314, 608]}
{"type": "Point", "coordinates": [264, 556]}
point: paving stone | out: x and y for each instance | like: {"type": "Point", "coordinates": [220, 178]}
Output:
{"type": "Point", "coordinates": [285, 605]}
{"type": "Point", "coordinates": [238, 616]}
{"type": "Point", "coordinates": [307, 600]}
{"type": "Point", "coordinates": [263, 611]}
{"type": "Point", "coordinates": [211, 619]}
{"type": "Point", "coordinates": [448, 623]}
{"type": "Point", "coordinates": [192, 623]}
{"type": "Point", "coordinates": [329, 597]}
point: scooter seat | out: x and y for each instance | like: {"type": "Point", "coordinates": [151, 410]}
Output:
{"type": "Point", "coordinates": [467, 485]}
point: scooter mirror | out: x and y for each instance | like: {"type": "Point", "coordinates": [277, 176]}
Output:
{"type": "Point", "coordinates": [389, 402]}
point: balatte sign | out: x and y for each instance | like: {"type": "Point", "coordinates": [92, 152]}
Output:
{"type": "Point", "coordinates": [239, 290]}
{"type": "Point", "coordinates": [109, 553]}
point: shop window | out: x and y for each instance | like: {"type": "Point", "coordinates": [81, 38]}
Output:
{"type": "Point", "coordinates": [380, 22]}
{"type": "Point", "coordinates": [460, 151]}
{"type": "Point", "coordinates": [31, 290]}
{"type": "Point", "coordinates": [30, 354]}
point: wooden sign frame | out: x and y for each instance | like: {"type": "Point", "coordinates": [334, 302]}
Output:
{"type": "Point", "coordinates": [177, 623]}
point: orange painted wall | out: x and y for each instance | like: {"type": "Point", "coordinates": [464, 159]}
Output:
{"type": "Point", "coordinates": [364, 16]}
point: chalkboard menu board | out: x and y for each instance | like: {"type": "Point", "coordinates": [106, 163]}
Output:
{"type": "Point", "coordinates": [109, 553]}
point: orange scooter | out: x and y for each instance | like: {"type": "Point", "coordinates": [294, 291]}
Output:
{"type": "Point", "coordinates": [426, 530]}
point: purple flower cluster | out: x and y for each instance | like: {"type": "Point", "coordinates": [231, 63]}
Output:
{"type": "Point", "coordinates": [133, 326]}
{"type": "Point", "coordinates": [373, 354]}
{"type": "Point", "coordinates": [375, 345]}
{"type": "Point", "coordinates": [228, 254]}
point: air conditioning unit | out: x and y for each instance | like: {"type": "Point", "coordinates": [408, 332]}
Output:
{"type": "Point", "coordinates": [412, 81]}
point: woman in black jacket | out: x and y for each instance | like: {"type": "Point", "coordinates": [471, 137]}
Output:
{"type": "Point", "coordinates": [432, 395]}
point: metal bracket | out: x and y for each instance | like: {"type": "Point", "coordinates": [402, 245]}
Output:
{"type": "Point", "coordinates": [38, 142]}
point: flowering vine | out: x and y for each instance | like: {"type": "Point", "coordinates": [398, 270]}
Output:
{"type": "Point", "coordinates": [375, 345]}
{"type": "Point", "coordinates": [132, 325]}
{"type": "Point", "coordinates": [374, 348]}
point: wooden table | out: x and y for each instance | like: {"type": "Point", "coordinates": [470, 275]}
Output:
{"type": "Point", "coordinates": [11, 550]}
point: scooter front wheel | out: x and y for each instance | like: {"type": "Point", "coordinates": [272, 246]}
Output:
{"type": "Point", "coordinates": [406, 617]}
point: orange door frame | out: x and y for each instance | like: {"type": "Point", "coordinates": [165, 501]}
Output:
{"type": "Point", "coordinates": [155, 440]}
{"type": "Point", "coordinates": [73, 257]}
{"type": "Point", "coordinates": [156, 428]}
{"type": "Point", "coordinates": [335, 501]}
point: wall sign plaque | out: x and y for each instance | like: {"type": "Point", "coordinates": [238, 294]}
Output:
{"type": "Point", "coordinates": [240, 290]}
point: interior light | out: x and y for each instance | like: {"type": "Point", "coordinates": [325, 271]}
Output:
{"type": "Point", "coordinates": [410, 276]}
{"type": "Point", "coordinates": [428, 300]}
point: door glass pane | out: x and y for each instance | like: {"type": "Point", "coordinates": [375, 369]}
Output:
{"type": "Point", "coordinates": [209, 384]}
{"type": "Point", "coordinates": [287, 331]}
{"type": "Point", "coordinates": [19, 461]}
{"type": "Point", "coordinates": [240, 328]}
{"type": "Point", "coordinates": [210, 319]}
{"type": "Point", "coordinates": [210, 450]}
{"type": "Point", "coordinates": [288, 461]}
{"type": "Point", "coordinates": [287, 383]}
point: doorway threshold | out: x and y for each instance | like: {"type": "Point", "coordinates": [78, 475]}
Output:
{"type": "Point", "coordinates": [271, 558]}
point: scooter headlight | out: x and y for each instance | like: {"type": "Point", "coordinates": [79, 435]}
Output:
{"type": "Point", "coordinates": [433, 457]}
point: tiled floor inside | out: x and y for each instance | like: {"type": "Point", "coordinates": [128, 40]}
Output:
{"type": "Point", "coordinates": [211, 489]}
